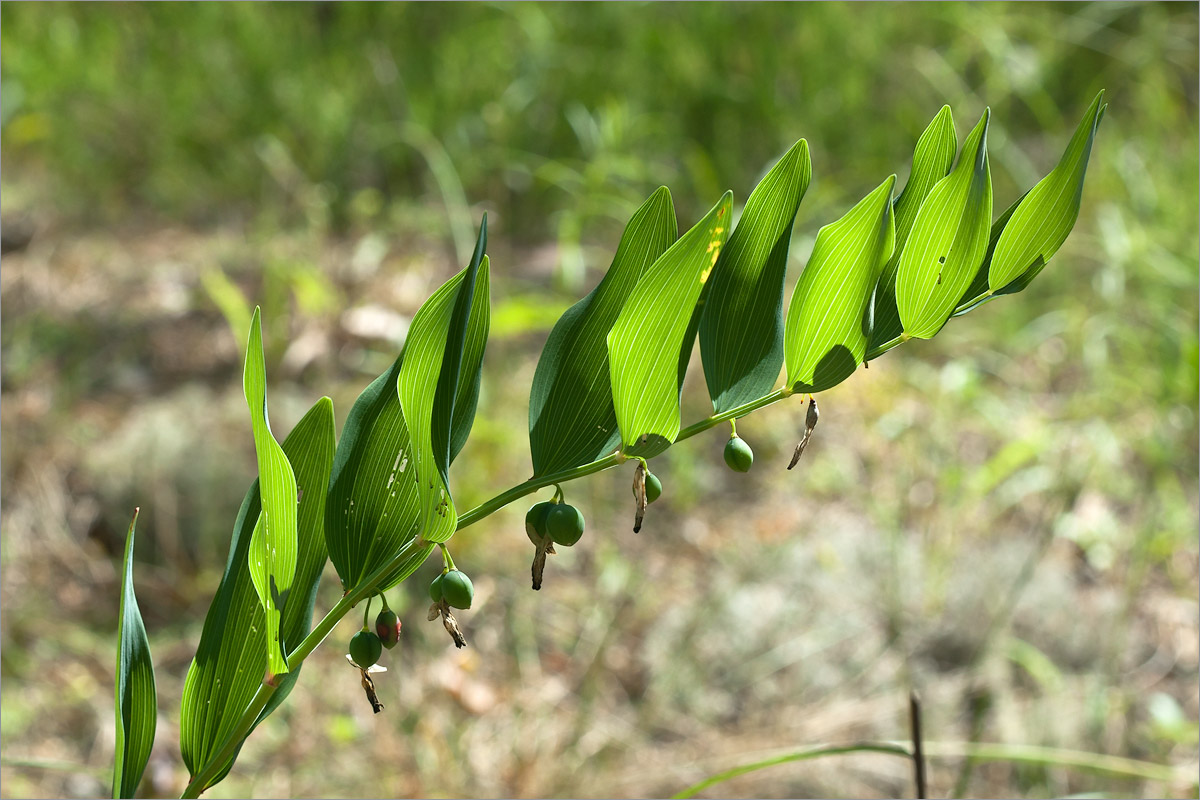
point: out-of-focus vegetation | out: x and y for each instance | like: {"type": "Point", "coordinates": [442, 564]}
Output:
{"type": "Point", "coordinates": [1004, 517]}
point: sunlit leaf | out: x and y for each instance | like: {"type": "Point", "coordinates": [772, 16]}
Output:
{"type": "Point", "coordinates": [273, 544]}
{"type": "Point", "coordinates": [1047, 213]}
{"type": "Point", "coordinates": [947, 242]}
{"type": "Point", "coordinates": [137, 703]}
{"type": "Point", "coordinates": [741, 329]}
{"type": "Point", "coordinates": [646, 345]}
{"type": "Point", "coordinates": [229, 665]}
{"type": "Point", "coordinates": [932, 160]}
{"type": "Point", "coordinates": [571, 415]}
{"type": "Point", "coordinates": [451, 321]}
{"type": "Point", "coordinates": [828, 319]}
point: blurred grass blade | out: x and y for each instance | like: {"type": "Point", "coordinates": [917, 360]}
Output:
{"type": "Point", "coordinates": [741, 329]}
{"type": "Point", "coordinates": [273, 543]}
{"type": "Point", "coordinates": [646, 345]}
{"type": "Point", "coordinates": [431, 384]}
{"type": "Point", "coordinates": [948, 240]}
{"type": "Point", "coordinates": [227, 668]}
{"type": "Point", "coordinates": [571, 415]}
{"type": "Point", "coordinates": [136, 700]}
{"type": "Point", "coordinates": [1046, 215]}
{"type": "Point", "coordinates": [827, 322]}
{"type": "Point", "coordinates": [932, 160]}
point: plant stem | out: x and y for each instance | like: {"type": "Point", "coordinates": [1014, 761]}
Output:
{"type": "Point", "coordinates": [533, 484]}
{"type": "Point", "coordinates": [229, 750]}
{"type": "Point", "coordinates": [733, 413]}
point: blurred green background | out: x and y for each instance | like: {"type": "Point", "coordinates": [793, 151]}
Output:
{"type": "Point", "coordinates": [1004, 518]}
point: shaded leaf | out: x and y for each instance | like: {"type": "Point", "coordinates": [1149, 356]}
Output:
{"type": "Point", "coordinates": [273, 543]}
{"type": "Point", "coordinates": [428, 385]}
{"type": "Point", "coordinates": [571, 415]}
{"type": "Point", "coordinates": [229, 665]}
{"type": "Point", "coordinates": [978, 293]}
{"type": "Point", "coordinates": [948, 241]}
{"type": "Point", "coordinates": [646, 345]}
{"type": "Point", "coordinates": [827, 326]}
{"type": "Point", "coordinates": [741, 330]}
{"type": "Point", "coordinates": [1045, 216]}
{"type": "Point", "coordinates": [136, 700]}
{"type": "Point", "coordinates": [373, 508]}
{"type": "Point", "coordinates": [932, 160]}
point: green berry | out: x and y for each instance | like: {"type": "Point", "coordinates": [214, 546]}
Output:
{"type": "Point", "coordinates": [653, 487]}
{"type": "Point", "coordinates": [535, 521]}
{"type": "Point", "coordinates": [365, 648]}
{"type": "Point", "coordinates": [738, 454]}
{"type": "Point", "coordinates": [457, 589]}
{"type": "Point", "coordinates": [387, 628]}
{"type": "Point", "coordinates": [435, 589]}
{"type": "Point", "coordinates": [564, 524]}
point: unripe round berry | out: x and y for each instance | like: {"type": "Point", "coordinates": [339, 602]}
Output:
{"type": "Point", "coordinates": [435, 589]}
{"type": "Point", "coordinates": [387, 628]}
{"type": "Point", "coordinates": [535, 521]}
{"type": "Point", "coordinates": [365, 648]}
{"type": "Point", "coordinates": [457, 589]}
{"type": "Point", "coordinates": [653, 487]}
{"type": "Point", "coordinates": [738, 454]}
{"type": "Point", "coordinates": [564, 524]}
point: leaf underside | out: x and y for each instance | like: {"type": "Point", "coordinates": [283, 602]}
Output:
{"type": "Point", "coordinates": [741, 330]}
{"type": "Point", "coordinates": [571, 416]}
{"type": "Point", "coordinates": [828, 319]}
{"type": "Point", "coordinates": [948, 241]}
{"type": "Point", "coordinates": [229, 663]}
{"type": "Point", "coordinates": [651, 340]}
{"type": "Point", "coordinates": [273, 544]}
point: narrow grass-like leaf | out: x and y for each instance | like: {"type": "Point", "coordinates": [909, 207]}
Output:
{"type": "Point", "coordinates": [741, 330]}
{"type": "Point", "coordinates": [647, 342]}
{"type": "Point", "coordinates": [428, 384]}
{"type": "Point", "coordinates": [1046, 215]}
{"type": "Point", "coordinates": [229, 662]}
{"type": "Point", "coordinates": [932, 160]}
{"type": "Point", "coordinates": [571, 415]}
{"type": "Point", "coordinates": [273, 544]}
{"type": "Point", "coordinates": [827, 322]}
{"type": "Point", "coordinates": [137, 702]}
{"type": "Point", "coordinates": [948, 241]}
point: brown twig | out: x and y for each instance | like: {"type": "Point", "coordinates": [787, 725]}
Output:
{"type": "Point", "coordinates": [918, 751]}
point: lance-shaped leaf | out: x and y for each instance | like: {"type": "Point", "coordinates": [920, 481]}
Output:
{"type": "Point", "coordinates": [230, 661]}
{"type": "Point", "coordinates": [978, 292]}
{"type": "Point", "coordinates": [273, 544]}
{"type": "Point", "coordinates": [647, 342]}
{"type": "Point", "coordinates": [828, 319]}
{"type": "Point", "coordinates": [948, 241]}
{"type": "Point", "coordinates": [932, 160]}
{"type": "Point", "coordinates": [571, 415]}
{"type": "Point", "coordinates": [453, 319]}
{"type": "Point", "coordinates": [741, 330]}
{"type": "Point", "coordinates": [137, 703]}
{"type": "Point", "coordinates": [1047, 213]}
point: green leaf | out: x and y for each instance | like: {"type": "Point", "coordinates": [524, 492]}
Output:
{"type": "Point", "coordinates": [273, 544]}
{"type": "Point", "coordinates": [741, 330]}
{"type": "Point", "coordinates": [430, 380]}
{"type": "Point", "coordinates": [828, 319]}
{"type": "Point", "coordinates": [646, 345]}
{"type": "Point", "coordinates": [137, 703]}
{"type": "Point", "coordinates": [571, 415]}
{"type": "Point", "coordinates": [228, 666]}
{"type": "Point", "coordinates": [978, 292]}
{"type": "Point", "coordinates": [1046, 215]}
{"type": "Point", "coordinates": [948, 241]}
{"type": "Point", "coordinates": [932, 160]}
